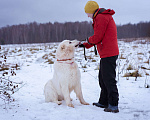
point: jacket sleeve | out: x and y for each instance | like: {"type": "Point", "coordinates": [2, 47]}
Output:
{"type": "Point", "coordinates": [87, 45]}
{"type": "Point", "coordinates": [100, 27]}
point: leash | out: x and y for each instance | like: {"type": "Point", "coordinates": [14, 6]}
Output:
{"type": "Point", "coordinates": [95, 50]}
{"type": "Point", "coordinates": [84, 54]}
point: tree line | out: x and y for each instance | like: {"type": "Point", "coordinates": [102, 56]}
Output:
{"type": "Point", "coordinates": [56, 32]}
{"type": "Point", "coordinates": [138, 30]}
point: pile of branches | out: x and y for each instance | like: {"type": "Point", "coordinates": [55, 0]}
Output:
{"type": "Point", "coordinates": [8, 87]}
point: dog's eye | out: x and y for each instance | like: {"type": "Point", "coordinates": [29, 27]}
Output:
{"type": "Point", "coordinates": [70, 42]}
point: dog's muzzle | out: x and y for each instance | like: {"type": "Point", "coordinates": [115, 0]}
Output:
{"type": "Point", "coordinates": [78, 44]}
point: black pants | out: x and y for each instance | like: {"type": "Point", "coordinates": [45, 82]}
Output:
{"type": "Point", "coordinates": [107, 75]}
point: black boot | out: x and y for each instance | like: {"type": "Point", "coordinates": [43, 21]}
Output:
{"type": "Point", "coordinates": [100, 105]}
{"type": "Point", "coordinates": [112, 108]}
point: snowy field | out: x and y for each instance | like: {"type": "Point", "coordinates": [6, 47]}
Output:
{"type": "Point", "coordinates": [35, 63]}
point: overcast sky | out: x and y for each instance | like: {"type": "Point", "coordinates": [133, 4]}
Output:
{"type": "Point", "coordinates": [14, 12]}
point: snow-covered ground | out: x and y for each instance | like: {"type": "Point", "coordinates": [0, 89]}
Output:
{"type": "Point", "coordinates": [35, 70]}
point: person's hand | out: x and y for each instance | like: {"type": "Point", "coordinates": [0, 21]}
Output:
{"type": "Point", "coordinates": [81, 45]}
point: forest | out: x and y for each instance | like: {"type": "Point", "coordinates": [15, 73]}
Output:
{"type": "Point", "coordinates": [55, 32]}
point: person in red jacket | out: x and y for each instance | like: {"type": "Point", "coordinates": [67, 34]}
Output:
{"type": "Point", "coordinates": [105, 38]}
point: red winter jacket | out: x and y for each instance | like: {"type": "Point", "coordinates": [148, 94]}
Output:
{"type": "Point", "coordinates": [105, 34]}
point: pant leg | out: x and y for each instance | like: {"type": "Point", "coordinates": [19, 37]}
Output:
{"type": "Point", "coordinates": [103, 93]}
{"type": "Point", "coordinates": [108, 72]}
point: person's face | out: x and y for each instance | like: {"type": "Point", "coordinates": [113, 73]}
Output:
{"type": "Point", "coordinates": [90, 15]}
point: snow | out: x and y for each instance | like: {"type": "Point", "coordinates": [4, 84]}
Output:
{"type": "Point", "coordinates": [35, 71]}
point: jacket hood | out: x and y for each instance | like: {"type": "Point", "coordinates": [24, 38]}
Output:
{"type": "Point", "coordinates": [109, 11]}
{"type": "Point", "coordinates": [103, 11]}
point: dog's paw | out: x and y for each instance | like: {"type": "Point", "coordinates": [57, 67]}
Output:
{"type": "Point", "coordinates": [71, 105]}
{"type": "Point", "coordinates": [58, 102]}
{"type": "Point", "coordinates": [85, 103]}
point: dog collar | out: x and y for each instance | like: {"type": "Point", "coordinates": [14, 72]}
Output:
{"type": "Point", "coordinates": [64, 59]}
{"type": "Point", "coordinates": [66, 63]}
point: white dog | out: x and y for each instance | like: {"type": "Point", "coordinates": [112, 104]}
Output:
{"type": "Point", "coordinates": [66, 76]}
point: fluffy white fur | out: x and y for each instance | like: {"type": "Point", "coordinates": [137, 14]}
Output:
{"type": "Point", "coordinates": [66, 76]}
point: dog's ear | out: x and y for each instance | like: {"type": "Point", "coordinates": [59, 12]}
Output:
{"type": "Point", "coordinates": [63, 47]}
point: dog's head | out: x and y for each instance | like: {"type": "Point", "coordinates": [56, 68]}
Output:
{"type": "Point", "coordinates": [66, 49]}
